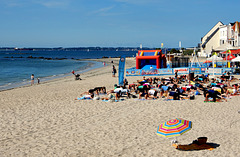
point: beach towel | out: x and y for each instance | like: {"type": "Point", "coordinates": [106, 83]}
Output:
{"type": "Point", "coordinates": [140, 99]}
{"type": "Point", "coordinates": [113, 100]}
{"type": "Point", "coordinates": [172, 99]}
{"type": "Point", "coordinates": [84, 98]}
{"type": "Point", "coordinates": [105, 100]}
{"type": "Point", "coordinates": [167, 99]}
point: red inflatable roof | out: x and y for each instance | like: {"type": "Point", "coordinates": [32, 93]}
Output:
{"type": "Point", "coordinates": [232, 51]}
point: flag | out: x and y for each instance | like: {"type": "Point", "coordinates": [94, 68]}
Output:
{"type": "Point", "coordinates": [121, 69]}
{"type": "Point", "coordinates": [161, 45]}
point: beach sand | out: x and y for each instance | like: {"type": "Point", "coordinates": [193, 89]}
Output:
{"type": "Point", "coordinates": [46, 120]}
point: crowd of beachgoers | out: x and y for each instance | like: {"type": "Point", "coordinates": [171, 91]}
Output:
{"type": "Point", "coordinates": [180, 87]}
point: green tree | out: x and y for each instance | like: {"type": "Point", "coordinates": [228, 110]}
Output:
{"type": "Point", "coordinates": [174, 51]}
{"type": "Point", "coordinates": [187, 52]}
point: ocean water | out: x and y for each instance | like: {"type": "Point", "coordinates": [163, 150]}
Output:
{"type": "Point", "coordinates": [16, 67]}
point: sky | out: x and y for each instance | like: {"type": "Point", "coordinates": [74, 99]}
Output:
{"type": "Point", "coordinates": [111, 23]}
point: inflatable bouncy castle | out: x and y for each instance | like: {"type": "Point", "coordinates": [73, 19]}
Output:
{"type": "Point", "coordinates": [151, 58]}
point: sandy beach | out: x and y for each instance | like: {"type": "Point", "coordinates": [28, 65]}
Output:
{"type": "Point", "coordinates": [46, 120]}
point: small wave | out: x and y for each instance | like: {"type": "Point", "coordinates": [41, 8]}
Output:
{"type": "Point", "coordinates": [5, 85]}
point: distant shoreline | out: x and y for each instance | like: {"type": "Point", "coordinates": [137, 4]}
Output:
{"type": "Point", "coordinates": [74, 49]}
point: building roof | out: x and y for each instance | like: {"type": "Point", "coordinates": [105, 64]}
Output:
{"type": "Point", "coordinates": [213, 31]}
{"type": "Point", "coordinates": [219, 22]}
{"type": "Point", "coordinates": [236, 25]}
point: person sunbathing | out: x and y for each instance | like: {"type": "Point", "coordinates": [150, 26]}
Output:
{"type": "Point", "coordinates": [100, 90]}
{"type": "Point", "coordinates": [88, 96]}
{"type": "Point", "coordinates": [111, 95]}
{"type": "Point", "coordinates": [90, 91]}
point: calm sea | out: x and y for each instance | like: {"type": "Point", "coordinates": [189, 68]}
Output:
{"type": "Point", "coordinates": [16, 67]}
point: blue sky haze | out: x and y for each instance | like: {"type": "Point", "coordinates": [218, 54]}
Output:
{"type": "Point", "coordinates": [110, 23]}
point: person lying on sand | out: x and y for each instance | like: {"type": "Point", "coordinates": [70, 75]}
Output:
{"type": "Point", "coordinates": [88, 96]}
{"type": "Point", "coordinates": [111, 95]}
{"type": "Point", "coordinates": [100, 90]}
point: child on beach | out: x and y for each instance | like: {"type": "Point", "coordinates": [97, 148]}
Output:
{"type": "Point", "coordinates": [32, 79]}
{"type": "Point", "coordinates": [114, 71]}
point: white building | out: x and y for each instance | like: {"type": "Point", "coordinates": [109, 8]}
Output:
{"type": "Point", "coordinates": [220, 38]}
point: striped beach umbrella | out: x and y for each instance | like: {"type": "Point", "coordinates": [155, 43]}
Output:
{"type": "Point", "coordinates": [174, 127]}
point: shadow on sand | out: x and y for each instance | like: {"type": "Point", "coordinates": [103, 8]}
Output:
{"type": "Point", "coordinates": [199, 144]}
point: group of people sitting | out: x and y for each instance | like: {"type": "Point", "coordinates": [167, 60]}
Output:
{"type": "Point", "coordinates": [179, 87]}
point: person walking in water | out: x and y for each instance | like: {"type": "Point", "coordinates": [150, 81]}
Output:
{"type": "Point", "coordinates": [114, 71]}
{"type": "Point", "coordinates": [32, 79]}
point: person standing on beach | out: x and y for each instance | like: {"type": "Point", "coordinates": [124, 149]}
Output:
{"type": "Point", "coordinates": [114, 71]}
{"type": "Point", "coordinates": [32, 79]}
{"type": "Point", "coordinates": [176, 74]}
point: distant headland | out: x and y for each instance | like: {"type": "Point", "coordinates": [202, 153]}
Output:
{"type": "Point", "coordinates": [75, 49]}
